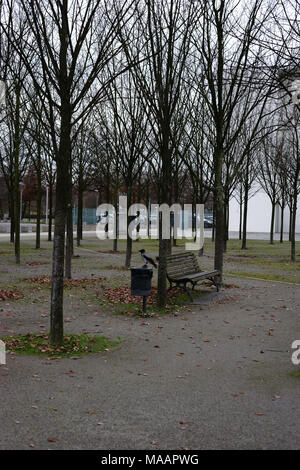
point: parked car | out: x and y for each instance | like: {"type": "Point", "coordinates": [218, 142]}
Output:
{"type": "Point", "coordinates": [208, 223]}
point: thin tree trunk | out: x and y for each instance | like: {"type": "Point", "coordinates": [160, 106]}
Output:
{"type": "Point", "coordinates": [12, 217]}
{"type": "Point", "coordinates": [281, 221]}
{"type": "Point", "coordinates": [38, 212]}
{"type": "Point", "coordinates": [293, 237]}
{"type": "Point", "coordinates": [244, 240]}
{"type": "Point", "coordinates": [69, 241]}
{"type": "Point", "coordinates": [241, 212]}
{"type": "Point", "coordinates": [213, 232]}
{"type": "Point", "coordinates": [226, 216]}
{"type": "Point", "coordinates": [290, 222]}
{"type": "Point", "coordinates": [219, 213]}
{"type": "Point", "coordinates": [79, 211]}
{"type": "Point", "coordinates": [116, 206]}
{"type": "Point", "coordinates": [50, 202]}
{"type": "Point", "coordinates": [129, 239]}
{"type": "Point", "coordinates": [17, 177]}
{"type": "Point", "coordinates": [272, 224]}
{"type": "Point", "coordinates": [164, 244]}
{"type": "Point", "coordinates": [17, 218]}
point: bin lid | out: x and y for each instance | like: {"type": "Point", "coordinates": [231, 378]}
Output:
{"type": "Point", "coordinates": [141, 268]}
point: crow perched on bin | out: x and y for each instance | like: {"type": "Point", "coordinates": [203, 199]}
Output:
{"type": "Point", "coordinates": [147, 259]}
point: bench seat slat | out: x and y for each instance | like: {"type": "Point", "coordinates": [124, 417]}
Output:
{"type": "Point", "coordinates": [200, 275]}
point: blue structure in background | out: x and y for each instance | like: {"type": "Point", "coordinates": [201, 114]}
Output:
{"type": "Point", "coordinates": [88, 215]}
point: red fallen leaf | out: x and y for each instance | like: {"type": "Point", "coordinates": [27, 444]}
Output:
{"type": "Point", "coordinates": [259, 413]}
{"type": "Point", "coordinates": [52, 439]}
{"type": "Point", "coordinates": [235, 394]}
{"type": "Point", "coordinates": [183, 422]}
{"type": "Point", "coordinates": [206, 340]}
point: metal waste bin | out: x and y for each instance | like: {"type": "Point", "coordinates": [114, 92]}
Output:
{"type": "Point", "coordinates": [141, 283]}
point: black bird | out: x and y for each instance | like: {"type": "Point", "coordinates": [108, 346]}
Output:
{"type": "Point", "coordinates": [147, 259]}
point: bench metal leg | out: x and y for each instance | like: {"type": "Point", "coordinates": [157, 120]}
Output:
{"type": "Point", "coordinates": [216, 284]}
{"type": "Point", "coordinates": [182, 286]}
{"type": "Point", "coordinates": [188, 293]}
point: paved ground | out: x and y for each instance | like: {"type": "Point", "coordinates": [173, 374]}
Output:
{"type": "Point", "coordinates": [215, 377]}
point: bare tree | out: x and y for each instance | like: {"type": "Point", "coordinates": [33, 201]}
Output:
{"type": "Point", "coordinates": [229, 72]}
{"type": "Point", "coordinates": [72, 42]}
{"type": "Point", "coordinates": [161, 39]}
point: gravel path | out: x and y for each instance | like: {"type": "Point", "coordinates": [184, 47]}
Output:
{"type": "Point", "coordinates": [217, 376]}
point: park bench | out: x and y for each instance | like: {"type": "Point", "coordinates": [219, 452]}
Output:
{"type": "Point", "coordinates": [183, 268]}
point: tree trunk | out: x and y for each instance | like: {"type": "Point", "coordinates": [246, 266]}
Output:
{"type": "Point", "coordinates": [226, 216]}
{"type": "Point", "coordinates": [164, 244]}
{"type": "Point", "coordinates": [219, 213]}
{"type": "Point", "coordinates": [241, 213]}
{"type": "Point", "coordinates": [69, 241]}
{"type": "Point", "coordinates": [213, 232]}
{"type": "Point", "coordinates": [244, 241]}
{"type": "Point", "coordinates": [50, 211]}
{"type": "Point", "coordinates": [56, 325]}
{"type": "Point", "coordinates": [116, 206]}
{"type": "Point", "coordinates": [272, 223]}
{"type": "Point", "coordinates": [17, 217]}
{"type": "Point", "coordinates": [290, 221]}
{"type": "Point", "coordinates": [129, 239]}
{"type": "Point", "coordinates": [12, 216]}
{"type": "Point", "coordinates": [281, 221]}
{"type": "Point", "coordinates": [38, 210]}
{"type": "Point", "coordinates": [62, 198]}
{"type": "Point", "coordinates": [293, 227]}
{"type": "Point", "coordinates": [17, 176]}
{"type": "Point", "coordinates": [79, 210]}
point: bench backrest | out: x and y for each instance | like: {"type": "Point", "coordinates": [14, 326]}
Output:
{"type": "Point", "coordinates": [181, 263]}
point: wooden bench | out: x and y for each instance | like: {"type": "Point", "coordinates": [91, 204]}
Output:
{"type": "Point", "coordinates": [183, 268]}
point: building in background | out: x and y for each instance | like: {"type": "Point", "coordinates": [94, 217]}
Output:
{"type": "Point", "coordinates": [259, 215]}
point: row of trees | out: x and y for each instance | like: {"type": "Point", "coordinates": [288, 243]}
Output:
{"type": "Point", "coordinates": [144, 94]}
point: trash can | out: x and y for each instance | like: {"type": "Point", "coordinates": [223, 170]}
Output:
{"type": "Point", "coordinates": [141, 281]}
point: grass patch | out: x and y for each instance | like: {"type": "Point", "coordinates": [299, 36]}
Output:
{"type": "Point", "coordinates": [268, 277]}
{"type": "Point", "coordinates": [74, 345]}
{"type": "Point", "coordinates": [295, 373]}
